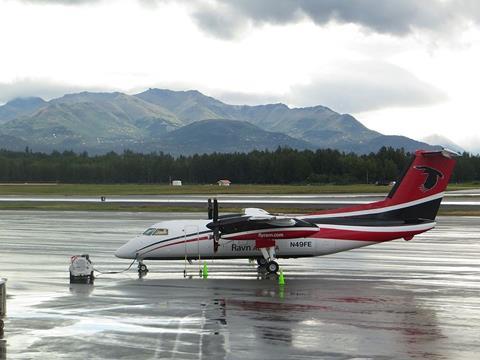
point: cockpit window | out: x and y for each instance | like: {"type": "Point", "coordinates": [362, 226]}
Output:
{"type": "Point", "coordinates": [155, 231]}
{"type": "Point", "coordinates": [149, 231]}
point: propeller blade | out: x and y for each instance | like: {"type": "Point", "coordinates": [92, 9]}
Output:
{"type": "Point", "coordinates": [216, 238]}
{"type": "Point", "coordinates": [213, 215]}
{"type": "Point", "coordinates": [215, 210]}
{"type": "Point", "coordinates": [210, 209]}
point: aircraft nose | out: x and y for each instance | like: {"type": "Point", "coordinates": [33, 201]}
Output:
{"type": "Point", "coordinates": [124, 252]}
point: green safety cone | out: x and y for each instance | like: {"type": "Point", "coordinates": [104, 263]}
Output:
{"type": "Point", "coordinates": [281, 279]}
{"type": "Point", "coordinates": [205, 270]}
{"type": "Point", "coordinates": [281, 292]}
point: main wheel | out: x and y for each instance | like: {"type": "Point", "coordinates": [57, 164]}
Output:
{"type": "Point", "coordinates": [261, 261]}
{"type": "Point", "coordinates": [272, 267]}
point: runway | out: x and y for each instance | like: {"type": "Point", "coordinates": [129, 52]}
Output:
{"type": "Point", "coordinates": [398, 300]}
{"type": "Point", "coordinates": [464, 199]}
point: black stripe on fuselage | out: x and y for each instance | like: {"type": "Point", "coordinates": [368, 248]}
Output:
{"type": "Point", "coordinates": [252, 226]}
{"type": "Point", "coordinates": [416, 214]}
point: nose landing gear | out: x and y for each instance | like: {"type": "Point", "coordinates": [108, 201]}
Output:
{"type": "Point", "coordinates": [142, 269]}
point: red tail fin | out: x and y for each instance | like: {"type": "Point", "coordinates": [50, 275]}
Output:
{"type": "Point", "coordinates": [416, 195]}
{"type": "Point", "coordinates": [427, 175]}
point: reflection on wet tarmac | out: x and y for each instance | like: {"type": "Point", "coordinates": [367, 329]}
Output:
{"type": "Point", "coordinates": [416, 299]}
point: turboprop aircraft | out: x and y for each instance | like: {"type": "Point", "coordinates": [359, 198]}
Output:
{"type": "Point", "coordinates": [408, 210]}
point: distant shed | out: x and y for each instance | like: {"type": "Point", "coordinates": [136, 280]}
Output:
{"type": "Point", "coordinates": [176, 182]}
{"type": "Point", "coordinates": [224, 182]}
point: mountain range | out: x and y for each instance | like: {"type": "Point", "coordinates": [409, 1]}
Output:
{"type": "Point", "coordinates": [180, 122]}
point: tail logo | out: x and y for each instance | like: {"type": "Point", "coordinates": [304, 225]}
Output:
{"type": "Point", "coordinates": [432, 176]}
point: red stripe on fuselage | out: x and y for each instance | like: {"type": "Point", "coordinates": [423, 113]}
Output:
{"type": "Point", "coordinates": [273, 235]}
{"type": "Point", "coordinates": [341, 234]}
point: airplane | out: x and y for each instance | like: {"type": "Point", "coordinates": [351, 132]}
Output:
{"type": "Point", "coordinates": [409, 209]}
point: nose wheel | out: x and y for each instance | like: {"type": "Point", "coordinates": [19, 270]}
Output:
{"type": "Point", "coordinates": [142, 269]}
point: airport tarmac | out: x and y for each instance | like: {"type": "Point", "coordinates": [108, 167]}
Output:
{"type": "Point", "coordinates": [397, 300]}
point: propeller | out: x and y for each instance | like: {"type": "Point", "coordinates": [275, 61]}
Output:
{"type": "Point", "coordinates": [215, 210]}
{"type": "Point", "coordinates": [213, 215]}
{"type": "Point", "coordinates": [210, 209]}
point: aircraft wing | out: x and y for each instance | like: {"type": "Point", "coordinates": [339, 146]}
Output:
{"type": "Point", "coordinates": [260, 215]}
{"type": "Point", "coordinates": [261, 226]}
{"type": "Point", "coordinates": [253, 216]}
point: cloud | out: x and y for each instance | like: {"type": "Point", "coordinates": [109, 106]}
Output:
{"type": "Point", "coordinates": [222, 17]}
{"type": "Point", "coordinates": [349, 87]}
{"type": "Point", "coordinates": [224, 27]}
{"type": "Point", "coordinates": [241, 98]}
{"type": "Point", "coordinates": [45, 89]}
{"type": "Point", "coordinates": [471, 144]}
{"type": "Point", "coordinates": [62, 2]}
{"type": "Point", "coordinates": [227, 19]}
{"type": "Point", "coordinates": [365, 86]}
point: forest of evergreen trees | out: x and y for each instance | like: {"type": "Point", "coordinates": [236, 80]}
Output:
{"type": "Point", "coordinates": [282, 166]}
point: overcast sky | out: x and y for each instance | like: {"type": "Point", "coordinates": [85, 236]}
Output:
{"type": "Point", "coordinates": [404, 67]}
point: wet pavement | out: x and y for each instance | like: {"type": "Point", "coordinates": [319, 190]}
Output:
{"type": "Point", "coordinates": [398, 300]}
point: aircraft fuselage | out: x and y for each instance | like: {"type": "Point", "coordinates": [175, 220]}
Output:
{"type": "Point", "coordinates": [193, 239]}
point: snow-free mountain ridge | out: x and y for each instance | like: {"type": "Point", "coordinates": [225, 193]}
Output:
{"type": "Point", "coordinates": [180, 122]}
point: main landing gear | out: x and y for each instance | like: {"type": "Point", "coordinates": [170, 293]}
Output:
{"type": "Point", "coordinates": [272, 267]}
{"type": "Point", "coordinates": [268, 262]}
{"type": "Point", "coordinates": [262, 262]}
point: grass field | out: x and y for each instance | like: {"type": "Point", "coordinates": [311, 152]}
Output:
{"type": "Point", "coordinates": [149, 189]}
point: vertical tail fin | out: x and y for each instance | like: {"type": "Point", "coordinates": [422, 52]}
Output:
{"type": "Point", "coordinates": [416, 195]}
{"type": "Point", "coordinates": [427, 175]}
{"type": "Point", "coordinates": [423, 184]}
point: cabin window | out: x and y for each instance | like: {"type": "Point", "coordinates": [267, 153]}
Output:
{"type": "Point", "coordinates": [161, 232]}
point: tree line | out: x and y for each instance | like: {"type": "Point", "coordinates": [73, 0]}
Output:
{"type": "Point", "coordinates": [281, 166]}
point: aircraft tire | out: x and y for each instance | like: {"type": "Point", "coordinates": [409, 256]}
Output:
{"type": "Point", "coordinates": [262, 262]}
{"type": "Point", "coordinates": [142, 268]}
{"type": "Point", "coordinates": [272, 267]}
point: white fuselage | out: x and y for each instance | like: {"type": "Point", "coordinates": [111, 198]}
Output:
{"type": "Point", "coordinates": [192, 240]}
